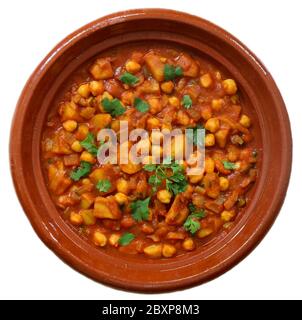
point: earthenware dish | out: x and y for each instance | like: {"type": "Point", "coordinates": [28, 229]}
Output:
{"type": "Point", "coordinates": [260, 93]}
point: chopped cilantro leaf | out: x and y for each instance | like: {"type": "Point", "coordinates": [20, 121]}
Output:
{"type": "Point", "coordinates": [141, 105]}
{"type": "Point", "coordinates": [140, 209]}
{"type": "Point", "coordinates": [126, 238]}
{"type": "Point", "coordinates": [187, 101]}
{"type": "Point", "coordinates": [81, 171]}
{"type": "Point", "coordinates": [114, 107]}
{"type": "Point", "coordinates": [129, 79]}
{"type": "Point", "coordinates": [103, 185]}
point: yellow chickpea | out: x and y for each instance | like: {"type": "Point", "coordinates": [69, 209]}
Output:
{"type": "Point", "coordinates": [217, 104]}
{"type": "Point", "coordinates": [121, 198]}
{"type": "Point", "coordinates": [82, 132]}
{"type": "Point", "coordinates": [212, 125]}
{"type": "Point", "coordinates": [227, 215]}
{"type": "Point", "coordinates": [154, 250]}
{"type": "Point", "coordinates": [229, 86]}
{"type": "Point", "coordinates": [167, 87]}
{"type": "Point", "coordinates": [206, 80]}
{"type": "Point", "coordinates": [209, 165]}
{"type": "Point", "coordinates": [115, 125]}
{"type": "Point", "coordinates": [153, 123]}
{"type": "Point", "coordinates": [132, 66]}
{"type": "Point", "coordinates": [168, 250]}
{"type": "Point", "coordinates": [84, 90]}
{"type": "Point", "coordinates": [188, 244]}
{"type": "Point", "coordinates": [174, 102]}
{"type": "Point", "coordinates": [155, 105]}
{"type": "Point", "coordinates": [122, 186]}
{"type": "Point", "coordinates": [99, 239]}
{"type": "Point", "coordinates": [223, 183]}
{"type": "Point", "coordinates": [164, 196]}
{"type": "Point", "coordinates": [202, 233]}
{"type": "Point", "coordinates": [76, 146]}
{"type": "Point", "coordinates": [209, 140]}
{"type": "Point", "coordinates": [245, 121]}
{"type": "Point", "coordinates": [96, 87]}
{"type": "Point", "coordinates": [195, 178]}
{"type": "Point", "coordinates": [114, 239]}
{"type": "Point", "coordinates": [70, 125]}
{"type": "Point", "coordinates": [76, 219]}
{"type": "Point", "coordinates": [87, 157]}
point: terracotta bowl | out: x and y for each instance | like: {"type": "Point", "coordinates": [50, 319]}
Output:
{"type": "Point", "coordinates": [260, 94]}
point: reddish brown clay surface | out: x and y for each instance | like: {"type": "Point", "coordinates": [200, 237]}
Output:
{"type": "Point", "coordinates": [259, 94]}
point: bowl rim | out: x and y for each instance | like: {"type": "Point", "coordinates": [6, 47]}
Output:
{"type": "Point", "coordinates": [69, 41]}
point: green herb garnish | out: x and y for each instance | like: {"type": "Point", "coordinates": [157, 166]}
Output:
{"type": "Point", "coordinates": [129, 79]}
{"type": "Point", "coordinates": [186, 101]}
{"type": "Point", "coordinates": [176, 181]}
{"type": "Point", "coordinates": [126, 238]}
{"type": "Point", "coordinates": [89, 144]}
{"type": "Point", "coordinates": [103, 185]}
{"type": "Point", "coordinates": [229, 165]}
{"type": "Point", "coordinates": [171, 72]}
{"type": "Point", "coordinates": [192, 224]}
{"type": "Point", "coordinates": [81, 171]}
{"type": "Point", "coordinates": [140, 209]}
{"type": "Point", "coordinates": [114, 107]}
{"type": "Point", "coordinates": [141, 105]}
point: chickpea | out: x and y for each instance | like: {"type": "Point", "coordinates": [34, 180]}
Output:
{"type": "Point", "coordinates": [217, 104]}
{"type": "Point", "coordinates": [195, 178]}
{"type": "Point", "coordinates": [115, 125]}
{"type": "Point", "coordinates": [167, 87]}
{"type": "Point", "coordinates": [229, 86]}
{"type": "Point", "coordinates": [84, 90]}
{"type": "Point", "coordinates": [206, 80]}
{"type": "Point", "coordinates": [76, 219]}
{"type": "Point", "coordinates": [164, 196]}
{"type": "Point", "coordinates": [99, 239]}
{"type": "Point", "coordinates": [212, 125]}
{"type": "Point", "coordinates": [107, 95]}
{"type": "Point", "coordinates": [245, 121]}
{"type": "Point", "coordinates": [122, 186]}
{"type": "Point", "coordinates": [87, 157]}
{"type": "Point", "coordinates": [76, 146]}
{"type": "Point", "coordinates": [223, 183]}
{"type": "Point", "coordinates": [209, 165]}
{"type": "Point", "coordinates": [174, 102]}
{"type": "Point", "coordinates": [82, 132]}
{"type": "Point", "coordinates": [114, 239]}
{"type": "Point", "coordinates": [168, 250]}
{"type": "Point", "coordinates": [182, 118]}
{"type": "Point", "coordinates": [202, 233]}
{"type": "Point", "coordinates": [96, 87]}
{"type": "Point", "coordinates": [188, 244]}
{"type": "Point", "coordinates": [227, 215]}
{"type": "Point", "coordinates": [153, 123]}
{"type": "Point", "coordinates": [70, 125]}
{"type": "Point", "coordinates": [153, 251]}
{"type": "Point", "coordinates": [132, 66]}
{"type": "Point", "coordinates": [121, 198]}
{"type": "Point", "coordinates": [209, 140]}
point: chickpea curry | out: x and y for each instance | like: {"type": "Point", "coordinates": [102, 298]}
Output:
{"type": "Point", "coordinates": [149, 210]}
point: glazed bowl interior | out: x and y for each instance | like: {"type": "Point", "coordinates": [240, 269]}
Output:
{"type": "Point", "coordinates": [259, 94]}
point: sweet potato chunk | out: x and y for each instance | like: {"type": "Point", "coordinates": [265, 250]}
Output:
{"type": "Point", "coordinates": [101, 69]}
{"type": "Point", "coordinates": [155, 65]}
{"type": "Point", "coordinates": [106, 208]}
{"type": "Point", "coordinates": [178, 211]}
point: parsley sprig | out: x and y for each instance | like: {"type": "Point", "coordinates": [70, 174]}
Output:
{"type": "Point", "coordinates": [89, 144]}
{"type": "Point", "coordinates": [126, 238]}
{"type": "Point", "coordinates": [81, 171]}
{"type": "Point", "coordinates": [192, 224]}
{"type": "Point", "coordinates": [114, 107]}
{"type": "Point", "coordinates": [140, 209]}
{"type": "Point", "coordinates": [171, 72]}
{"type": "Point", "coordinates": [172, 173]}
{"type": "Point", "coordinates": [103, 185]}
{"type": "Point", "coordinates": [129, 79]}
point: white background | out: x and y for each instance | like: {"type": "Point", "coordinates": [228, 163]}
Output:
{"type": "Point", "coordinates": [29, 30]}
